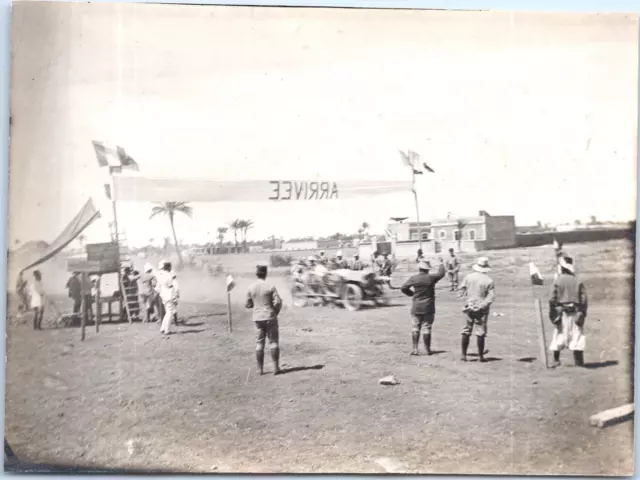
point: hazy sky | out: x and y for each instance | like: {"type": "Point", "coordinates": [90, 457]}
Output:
{"type": "Point", "coordinates": [501, 105]}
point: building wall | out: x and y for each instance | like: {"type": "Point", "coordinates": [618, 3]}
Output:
{"type": "Point", "coordinates": [501, 232]}
{"type": "Point", "coordinates": [466, 246]}
{"type": "Point", "coordinates": [288, 246]}
{"type": "Point", "coordinates": [450, 229]}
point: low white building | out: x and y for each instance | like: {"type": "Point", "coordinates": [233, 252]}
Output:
{"type": "Point", "coordinates": [306, 245]}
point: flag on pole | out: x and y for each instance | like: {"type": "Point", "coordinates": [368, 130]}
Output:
{"type": "Point", "coordinates": [414, 158]}
{"type": "Point", "coordinates": [536, 276]}
{"type": "Point", "coordinates": [113, 157]}
{"type": "Point", "coordinates": [405, 159]}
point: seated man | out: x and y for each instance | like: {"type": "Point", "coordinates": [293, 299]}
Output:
{"type": "Point", "coordinates": [339, 262]}
{"type": "Point", "coordinates": [356, 264]}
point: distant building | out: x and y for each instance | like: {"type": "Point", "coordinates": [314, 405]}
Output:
{"type": "Point", "coordinates": [404, 232]}
{"type": "Point", "coordinates": [481, 232]}
{"type": "Point", "coordinates": [302, 245]}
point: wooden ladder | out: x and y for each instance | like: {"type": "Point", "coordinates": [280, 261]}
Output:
{"type": "Point", "coordinates": [130, 300]}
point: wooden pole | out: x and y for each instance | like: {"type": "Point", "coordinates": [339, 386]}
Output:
{"type": "Point", "coordinates": [117, 239]}
{"type": "Point", "coordinates": [85, 307]}
{"type": "Point", "coordinates": [98, 304]}
{"type": "Point", "coordinates": [541, 335]}
{"type": "Point", "coordinates": [415, 197]}
{"type": "Point", "coordinates": [229, 311]}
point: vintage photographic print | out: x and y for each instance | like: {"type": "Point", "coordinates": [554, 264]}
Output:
{"type": "Point", "coordinates": [321, 240]}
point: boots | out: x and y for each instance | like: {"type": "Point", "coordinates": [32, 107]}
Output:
{"type": "Point", "coordinates": [275, 357]}
{"type": "Point", "coordinates": [465, 346]}
{"type": "Point", "coordinates": [427, 342]}
{"type": "Point", "coordinates": [578, 358]}
{"type": "Point", "coordinates": [480, 340]}
{"type": "Point", "coordinates": [260, 360]}
{"type": "Point", "coordinates": [556, 359]}
{"type": "Point", "coordinates": [415, 339]}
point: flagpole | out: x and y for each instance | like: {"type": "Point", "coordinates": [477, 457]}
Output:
{"type": "Point", "coordinates": [415, 196]}
{"type": "Point", "coordinates": [117, 237]}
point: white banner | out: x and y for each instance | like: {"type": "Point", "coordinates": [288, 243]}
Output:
{"type": "Point", "coordinates": [131, 188]}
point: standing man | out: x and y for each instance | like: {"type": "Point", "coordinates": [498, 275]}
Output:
{"type": "Point", "coordinates": [568, 311]}
{"type": "Point", "coordinates": [323, 260]}
{"type": "Point", "coordinates": [479, 291]}
{"type": "Point", "coordinates": [167, 296]}
{"type": "Point", "coordinates": [75, 292]}
{"type": "Point", "coordinates": [266, 303]}
{"type": "Point", "coordinates": [453, 268]}
{"type": "Point", "coordinates": [87, 296]}
{"type": "Point", "coordinates": [176, 295]}
{"type": "Point", "coordinates": [421, 287]}
{"type": "Point", "coordinates": [148, 293]}
{"type": "Point", "coordinates": [387, 266]}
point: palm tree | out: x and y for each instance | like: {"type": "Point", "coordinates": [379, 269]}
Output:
{"type": "Point", "coordinates": [236, 226]}
{"type": "Point", "coordinates": [360, 232]}
{"type": "Point", "coordinates": [221, 233]}
{"type": "Point", "coordinates": [460, 224]}
{"type": "Point", "coordinates": [246, 225]}
{"type": "Point", "coordinates": [170, 209]}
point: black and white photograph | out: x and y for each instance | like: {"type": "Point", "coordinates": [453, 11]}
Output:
{"type": "Point", "coordinates": [250, 239]}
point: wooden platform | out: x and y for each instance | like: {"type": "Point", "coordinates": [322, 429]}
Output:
{"type": "Point", "coordinates": [612, 416]}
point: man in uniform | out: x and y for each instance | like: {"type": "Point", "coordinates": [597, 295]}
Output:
{"type": "Point", "coordinates": [568, 311]}
{"type": "Point", "coordinates": [356, 264]}
{"type": "Point", "coordinates": [339, 262]}
{"type": "Point", "coordinates": [387, 265]}
{"type": "Point", "coordinates": [323, 260]}
{"type": "Point", "coordinates": [147, 293]}
{"type": "Point", "coordinates": [422, 288]}
{"type": "Point", "coordinates": [479, 291]}
{"type": "Point", "coordinates": [453, 268]}
{"type": "Point", "coordinates": [266, 303]}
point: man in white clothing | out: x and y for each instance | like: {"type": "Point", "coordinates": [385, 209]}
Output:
{"type": "Point", "coordinates": [165, 289]}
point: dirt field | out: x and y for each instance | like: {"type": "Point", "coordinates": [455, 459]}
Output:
{"type": "Point", "coordinates": [129, 398]}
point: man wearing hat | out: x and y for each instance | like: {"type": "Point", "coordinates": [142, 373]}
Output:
{"type": "Point", "coordinates": [568, 311]}
{"type": "Point", "coordinates": [478, 289]}
{"type": "Point", "coordinates": [147, 292]}
{"type": "Point", "coordinates": [356, 264]}
{"type": "Point", "coordinates": [166, 292]}
{"type": "Point", "coordinates": [339, 262]}
{"type": "Point", "coordinates": [453, 269]}
{"type": "Point", "coordinates": [266, 303]}
{"type": "Point", "coordinates": [421, 287]}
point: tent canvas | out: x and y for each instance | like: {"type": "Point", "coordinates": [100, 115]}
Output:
{"type": "Point", "coordinates": [85, 217]}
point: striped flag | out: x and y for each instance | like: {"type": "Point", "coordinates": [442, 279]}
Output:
{"type": "Point", "coordinates": [414, 158]}
{"type": "Point", "coordinates": [115, 158]}
{"type": "Point", "coordinates": [536, 276]}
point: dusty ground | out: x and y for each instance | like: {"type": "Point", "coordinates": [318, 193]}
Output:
{"type": "Point", "coordinates": [127, 397]}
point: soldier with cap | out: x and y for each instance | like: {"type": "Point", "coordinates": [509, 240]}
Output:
{"type": "Point", "coordinates": [453, 269]}
{"type": "Point", "coordinates": [356, 264]}
{"type": "Point", "coordinates": [421, 287]}
{"type": "Point", "coordinates": [567, 311]}
{"type": "Point", "coordinates": [266, 303]}
{"type": "Point", "coordinates": [479, 290]}
{"type": "Point", "coordinates": [339, 262]}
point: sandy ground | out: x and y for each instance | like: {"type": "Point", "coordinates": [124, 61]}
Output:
{"type": "Point", "coordinates": [129, 398]}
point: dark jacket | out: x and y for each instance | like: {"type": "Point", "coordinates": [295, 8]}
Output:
{"type": "Point", "coordinates": [422, 288]}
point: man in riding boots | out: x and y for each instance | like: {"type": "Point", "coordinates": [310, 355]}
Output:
{"type": "Point", "coordinates": [421, 287]}
{"type": "Point", "coordinates": [453, 269]}
{"type": "Point", "coordinates": [479, 290]}
{"type": "Point", "coordinates": [568, 311]}
{"type": "Point", "coordinates": [266, 303]}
